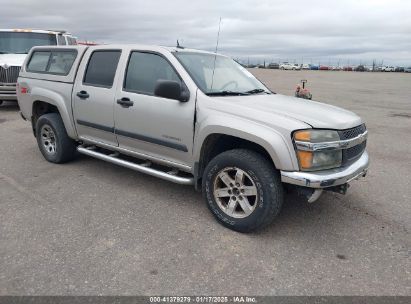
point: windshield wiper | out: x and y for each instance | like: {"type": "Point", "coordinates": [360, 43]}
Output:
{"type": "Point", "coordinates": [227, 93]}
{"type": "Point", "coordinates": [257, 91]}
{"type": "Point", "coordinates": [4, 53]}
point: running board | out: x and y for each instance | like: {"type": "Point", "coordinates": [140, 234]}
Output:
{"type": "Point", "coordinates": [144, 167]}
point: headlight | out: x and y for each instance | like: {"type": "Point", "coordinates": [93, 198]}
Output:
{"type": "Point", "coordinates": [311, 160]}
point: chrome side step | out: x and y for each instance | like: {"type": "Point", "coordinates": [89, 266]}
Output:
{"type": "Point", "coordinates": [144, 167]}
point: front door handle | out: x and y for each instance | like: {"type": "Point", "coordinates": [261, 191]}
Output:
{"type": "Point", "coordinates": [83, 95]}
{"type": "Point", "coordinates": [125, 102]}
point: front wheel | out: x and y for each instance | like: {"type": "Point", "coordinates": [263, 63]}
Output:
{"type": "Point", "coordinates": [243, 190]}
{"type": "Point", "coordinates": [52, 139]}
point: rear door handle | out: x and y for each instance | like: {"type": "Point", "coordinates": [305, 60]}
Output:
{"type": "Point", "coordinates": [125, 102]}
{"type": "Point", "coordinates": [83, 95]}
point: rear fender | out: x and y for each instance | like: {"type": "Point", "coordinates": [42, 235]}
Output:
{"type": "Point", "coordinates": [53, 98]}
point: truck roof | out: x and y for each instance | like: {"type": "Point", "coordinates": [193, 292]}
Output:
{"type": "Point", "coordinates": [35, 31]}
{"type": "Point", "coordinates": [137, 46]}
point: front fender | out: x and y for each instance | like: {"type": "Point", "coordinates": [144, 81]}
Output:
{"type": "Point", "coordinates": [278, 146]}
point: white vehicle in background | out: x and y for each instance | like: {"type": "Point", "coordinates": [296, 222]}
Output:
{"type": "Point", "coordinates": [387, 69]}
{"type": "Point", "coordinates": [305, 66]}
{"type": "Point", "coordinates": [290, 66]}
{"type": "Point", "coordinates": [14, 46]}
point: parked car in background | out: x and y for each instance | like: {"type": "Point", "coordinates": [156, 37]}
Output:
{"type": "Point", "coordinates": [305, 66]}
{"type": "Point", "coordinates": [14, 46]}
{"type": "Point", "coordinates": [387, 69]}
{"type": "Point", "coordinates": [153, 110]}
{"type": "Point", "coordinates": [336, 68]}
{"type": "Point", "coordinates": [296, 66]}
{"type": "Point", "coordinates": [347, 68]}
{"type": "Point", "coordinates": [314, 67]}
{"type": "Point", "coordinates": [324, 68]}
{"type": "Point", "coordinates": [286, 66]}
{"type": "Point", "coordinates": [290, 66]}
{"type": "Point", "coordinates": [359, 68]}
{"type": "Point", "coordinates": [399, 69]}
{"type": "Point", "coordinates": [407, 70]}
{"type": "Point", "coordinates": [274, 66]}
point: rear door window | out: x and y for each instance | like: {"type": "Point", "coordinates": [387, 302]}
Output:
{"type": "Point", "coordinates": [101, 68]}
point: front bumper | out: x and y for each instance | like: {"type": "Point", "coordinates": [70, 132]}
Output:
{"type": "Point", "coordinates": [8, 92]}
{"type": "Point", "coordinates": [328, 178]}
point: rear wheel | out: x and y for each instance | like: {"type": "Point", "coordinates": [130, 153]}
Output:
{"type": "Point", "coordinates": [243, 190]}
{"type": "Point", "coordinates": [52, 139]}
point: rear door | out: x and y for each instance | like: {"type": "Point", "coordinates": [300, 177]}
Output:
{"type": "Point", "coordinates": [94, 95]}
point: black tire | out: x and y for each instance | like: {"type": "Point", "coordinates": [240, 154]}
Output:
{"type": "Point", "coordinates": [266, 180]}
{"type": "Point", "coordinates": [65, 147]}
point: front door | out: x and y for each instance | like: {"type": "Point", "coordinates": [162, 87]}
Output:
{"type": "Point", "coordinates": [94, 96]}
{"type": "Point", "coordinates": [148, 124]}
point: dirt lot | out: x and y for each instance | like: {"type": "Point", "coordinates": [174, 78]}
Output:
{"type": "Point", "coordinates": [89, 227]}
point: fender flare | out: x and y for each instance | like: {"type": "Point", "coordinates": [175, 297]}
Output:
{"type": "Point", "coordinates": [280, 151]}
{"type": "Point", "coordinates": [55, 99]}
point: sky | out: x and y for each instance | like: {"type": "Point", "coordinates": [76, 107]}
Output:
{"type": "Point", "coordinates": [309, 31]}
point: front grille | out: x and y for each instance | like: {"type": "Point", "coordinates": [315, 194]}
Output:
{"type": "Point", "coordinates": [350, 155]}
{"type": "Point", "coordinates": [353, 132]}
{"type": "Point", "coordinates": [9, 75]}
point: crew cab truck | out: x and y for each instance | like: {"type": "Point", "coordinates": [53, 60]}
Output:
{"type": "Point", "coordinates": [14, 46]}
{"type": "Point", "coordinates": [193, 118]}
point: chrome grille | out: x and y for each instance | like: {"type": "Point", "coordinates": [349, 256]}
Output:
{"type": "Point", "coordinates": [355, 152]}
{"type": "Point", "coordinates": [353, 132]}
{"type": "Point", "coordinates": [350, 155]}
{"type": "Point", "coordinates": [9, 75]}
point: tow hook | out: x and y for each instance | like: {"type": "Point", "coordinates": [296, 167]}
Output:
{"type": "Point", "coordinates": [315, 195]}
{"type": "Point", "coordinates": [310, 194]}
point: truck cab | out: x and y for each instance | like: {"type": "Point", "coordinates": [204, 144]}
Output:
{"type": "Point", "coordinates": [14, 47]}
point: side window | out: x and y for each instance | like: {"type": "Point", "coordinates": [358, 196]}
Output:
{"type": "Point", "coordinates": [38, 62]}
{"type": "Point", "coordinates": [143, 71]}
{"type": "Point", "coordinates": [61, 40]}
{"type": "Point", "coordinates": [101, 68]}
{"type": "Point", "coordinates": [52, 62]}
{"type": "Point", "coordinates": [61, 62]}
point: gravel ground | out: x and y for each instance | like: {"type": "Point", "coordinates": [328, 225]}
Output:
{"type": "Point", "coordinates": [92, 228]}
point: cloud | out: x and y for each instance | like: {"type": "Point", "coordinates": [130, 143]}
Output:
{"type": "Point", "coordinates": [273, 30]}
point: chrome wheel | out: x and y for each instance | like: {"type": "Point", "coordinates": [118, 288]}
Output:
{"type": "Point", "coordinates": [235, 192]}
{"type": "Point", "coordinates": [48, 139]}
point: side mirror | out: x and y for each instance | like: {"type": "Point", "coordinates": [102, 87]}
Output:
{"type": "Point", "coordinates": [171, 90]}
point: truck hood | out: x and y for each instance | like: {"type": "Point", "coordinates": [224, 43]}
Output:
{"type": "Point", "coordinates": [12, 59]}
{"type": "Point", "coordinates": [315, 114]}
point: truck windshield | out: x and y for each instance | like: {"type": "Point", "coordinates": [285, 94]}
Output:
{"type": "Point", "coordinates": [228, 78]}
{"type": "Point", "coordinates": [22, 42]}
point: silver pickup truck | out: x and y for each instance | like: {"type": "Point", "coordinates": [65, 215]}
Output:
{"type": "Point", "coordinates": [194, 118]}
